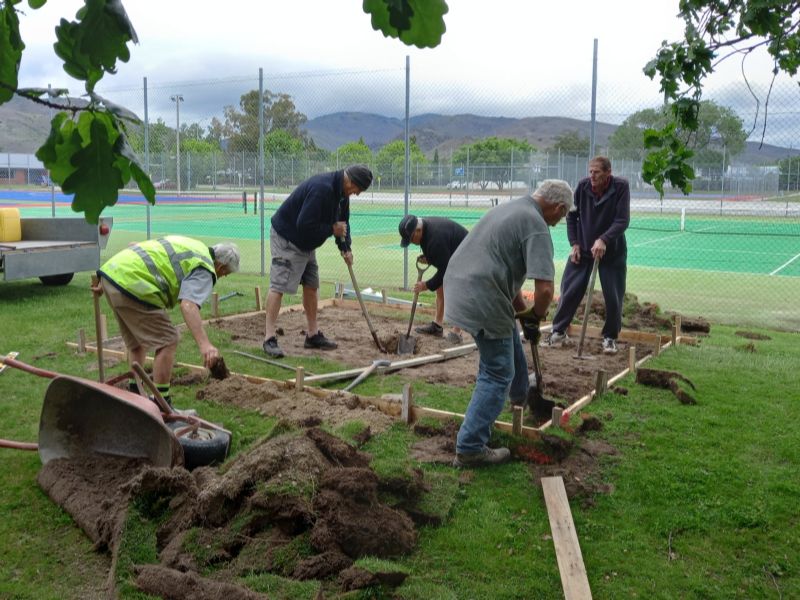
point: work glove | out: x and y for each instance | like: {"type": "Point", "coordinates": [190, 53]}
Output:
{"type": "Point", "coordinates": [529, 321]}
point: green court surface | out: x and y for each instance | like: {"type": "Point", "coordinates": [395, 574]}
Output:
{"type": "Point", "coordinates": [756, 245]}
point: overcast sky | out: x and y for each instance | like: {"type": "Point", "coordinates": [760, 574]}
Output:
{"type": "Point", "coordinates": [503, 58]}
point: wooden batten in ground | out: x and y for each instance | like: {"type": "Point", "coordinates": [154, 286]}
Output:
{"type": "Point", "coordinates": [585, 400]}
{"type": "Point", "coordinates": [390, 408]}
{"type": "Point", "coordinates": [627, 335]}
{"type": "Point", "coordinates": [565, 539]}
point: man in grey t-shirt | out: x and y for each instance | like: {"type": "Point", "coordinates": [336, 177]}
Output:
{"type": "Point", "coordinates": [484, 280]}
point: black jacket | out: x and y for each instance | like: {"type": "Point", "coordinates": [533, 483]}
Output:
{"type": "Point", "coordinates": [307, 216]}
{"type": "Point", "coordinates": [440, 238]}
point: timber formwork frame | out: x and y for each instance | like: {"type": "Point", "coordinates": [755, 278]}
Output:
{"type": "Point", "coordinates": [402, 406]}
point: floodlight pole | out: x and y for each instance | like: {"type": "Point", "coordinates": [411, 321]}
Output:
{"type": "Point", "coordinates": [177, 99]}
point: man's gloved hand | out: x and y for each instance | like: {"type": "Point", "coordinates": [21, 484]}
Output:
{"type": "Point", "coordinates": [529, 321]}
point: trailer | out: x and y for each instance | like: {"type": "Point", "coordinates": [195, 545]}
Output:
{"type": "Point", "coordinates": [52, 249]}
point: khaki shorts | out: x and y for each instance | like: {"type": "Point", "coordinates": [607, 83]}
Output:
{"type": "Point", "coordinates": [291, 266]}
{"type": "Point", "coordinates": [139, 324]}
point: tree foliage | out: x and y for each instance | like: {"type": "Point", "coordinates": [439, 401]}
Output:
{"type": "Point", "coordinates": [494, 152]}
{"type": "Point", "coordinates": [88, 153]}
{"type": "Point", "coordinates": [572, 142]}
{"type": "Point", "coordinates": [353, 153]}
{"type": "Point", "coordinates": [241, 126]}
{"type": "Point", "coordinates": [715, 30]}
{"type": "Point", "coordinates": [390, 161]}
{"type": "Point", "coordinates": [720, 132]}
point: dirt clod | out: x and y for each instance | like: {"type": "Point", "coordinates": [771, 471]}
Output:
{"type": "Point", "coordinates": [219, 370]}
{"type": "Point", "coordinates": [169, 583]}
{"type": "Point", "coordinates": [666, 380]}
{"type": "Point", "coordinates": [752, 335]}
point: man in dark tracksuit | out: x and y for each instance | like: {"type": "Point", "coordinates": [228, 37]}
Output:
{"type": "Point", "coordinates": [438, 237]}
{"type": "Point", "coordinates": [596, 230]}
{"type": "Point", "coordinates": [317, 209]}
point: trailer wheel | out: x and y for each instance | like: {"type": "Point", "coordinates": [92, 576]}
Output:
{"type": "Point", "coordinates": [202, 448]}
{"type": "Point", "coordinates": [62, 279]}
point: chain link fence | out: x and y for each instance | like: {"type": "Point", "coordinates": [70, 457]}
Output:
{"type": "Point", "coordinates": [729, 251]}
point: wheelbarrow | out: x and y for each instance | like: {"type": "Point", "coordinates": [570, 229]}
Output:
{"type": "Point", "coordinates": [81, 417]}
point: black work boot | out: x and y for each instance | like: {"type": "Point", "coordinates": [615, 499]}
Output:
{"type": "Point", "coordinates": [271, 347]}
{"type": "Point", "coordinates": [319, 341]}
{"type": "Point", "coordinates": [432, 328]}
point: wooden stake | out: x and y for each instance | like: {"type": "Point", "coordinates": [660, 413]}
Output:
{"type": "Point", "coordinates": [215, 305]}
{"type": "Point", "coordinates": [676, 334]}
{"type": "Point", "coordinates": [556, 416]}
{"type": "Point", "coordinates": [565, 539]}
{"type": "Point", "coordinates": [81, 341]}
{"type": "Point", "coordinates": [383, 296]}
{"type": "Point", "coordinates": [516, 425]}
{"type": "Point", "coordinates": [98, 330]}
{"type": "Point", "coordinates": [601, 382]}
{"type": "Point", "coordinates": [407, 405]}
{"type": "Point", "coordinates": [299, 379]}
{"type": "Point", "coordinates": [103, 327]}
{"type": "Point", "coordinates": [632, 359]}
{"type": "Point", "coordinates": [658, 346]}
{"type": "Point", "coordinates": [339, 290]}
{"type": "Point", "coordinates": [258, 298]}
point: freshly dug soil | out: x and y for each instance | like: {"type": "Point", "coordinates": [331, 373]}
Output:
{"type": "Point", "coordinates": [564, 377]}
{"type": "Point", "coordinates": [169, 583]}
{"type": "Point", "coordinates": [271, 399]}
{"type": "Point", "coordinates": [666, 380]}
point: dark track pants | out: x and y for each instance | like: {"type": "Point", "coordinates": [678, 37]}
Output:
{"type": "Point", "coordinates": [612, 272]}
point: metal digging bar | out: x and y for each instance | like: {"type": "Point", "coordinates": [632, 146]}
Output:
{"type": "Point", "coordinates": [589, 293]}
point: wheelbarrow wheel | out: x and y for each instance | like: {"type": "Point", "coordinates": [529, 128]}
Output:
{"type": "Point", "coordinates": [204, 447]}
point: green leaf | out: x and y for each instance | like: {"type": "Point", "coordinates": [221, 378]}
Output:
{"type": "Point", "coordinates": [96, 181]}
{"type": "Point", "coordinates": [92, 45]}
{"type": "Point", "coordinates": [415, 22]}
{"type": "Point", "coordinates": [62, 143]}
{"type": "Point", "coordinates": [35, 4]}
{"type": "Point", "coordinates": [137, 172]}
{"type": "Point", "coordinates": [118, 111]}
{"type": "Point", "coordinates": [11, 47]}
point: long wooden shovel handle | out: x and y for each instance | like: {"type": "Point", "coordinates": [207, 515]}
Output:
{"type": "Point", "coordinates": [364, 308]}
{"type": "Point", "coordinates": [420, 273]}
{"type": "Point", "coordinates": [588, 305]}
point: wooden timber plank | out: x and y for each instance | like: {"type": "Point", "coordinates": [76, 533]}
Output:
{"type": "Point", "coordinates": [390, 408]}
{"type": "Point", "coordinates": [565, 539]}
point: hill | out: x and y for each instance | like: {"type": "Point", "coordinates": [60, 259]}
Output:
{"type": "Point", "coordinates": [445, 132]}
{"type": "Point", "coordinates": [24, 126]}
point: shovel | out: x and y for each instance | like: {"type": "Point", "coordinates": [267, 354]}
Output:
{"type": "Point", "coordinates": [540, 406]}
{"type": "Point", "coordinates": [364, 308]}
{"type": "Point", "coordinates": [589, 293]}
{"type": "Point", "coordinates": [406, 343]}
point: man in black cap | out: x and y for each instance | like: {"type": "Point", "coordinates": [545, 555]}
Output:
{"type": "Point", "coordinates": [438, 237]}
{"type": "Point", "coordinates": [317, 209]}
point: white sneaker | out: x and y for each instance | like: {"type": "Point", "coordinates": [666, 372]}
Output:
{"type": "Point", "coordinates": [609, 346]}
{"type": "Point", "coordinates": [556, 339]}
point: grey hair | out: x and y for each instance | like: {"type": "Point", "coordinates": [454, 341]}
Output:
{"type": "Point", "coordinates": [554, 191]}
{"type": "Point", "coordinates": [227, 255]}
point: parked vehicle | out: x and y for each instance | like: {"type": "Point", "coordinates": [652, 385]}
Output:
{"type": "Point", "coordinates": [52, 249]}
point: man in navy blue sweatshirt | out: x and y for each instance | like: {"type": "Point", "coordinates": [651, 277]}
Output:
{"type": "Point", "coordinates": [596, 230]}
{"type": "Point", "coordinates": [317, 209]}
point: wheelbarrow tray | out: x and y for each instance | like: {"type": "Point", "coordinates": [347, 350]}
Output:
{"type": "Point", "coordinates": [82, 417]}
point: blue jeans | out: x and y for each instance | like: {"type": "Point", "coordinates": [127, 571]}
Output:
{"type": "Point", "coordinates": [502, 361]}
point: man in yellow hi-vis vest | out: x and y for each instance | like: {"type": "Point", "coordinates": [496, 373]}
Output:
{"type": "Point", "coordinates": [144, 280]}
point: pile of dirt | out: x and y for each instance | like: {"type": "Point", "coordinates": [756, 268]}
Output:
{"type": "Point", "coordinates": [299, 407]}
{"type": "Point", "coordinates": [304, 504]}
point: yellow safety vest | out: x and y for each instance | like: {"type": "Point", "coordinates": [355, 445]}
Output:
{"type": "Point", "coordinates": [152, 271]}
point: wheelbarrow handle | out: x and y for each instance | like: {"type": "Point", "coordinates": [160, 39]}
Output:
{"type": "Point", "coordinates": [18, 364]}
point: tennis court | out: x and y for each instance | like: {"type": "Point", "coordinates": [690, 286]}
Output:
{"type": "Point", "coordinates": [766, 245]}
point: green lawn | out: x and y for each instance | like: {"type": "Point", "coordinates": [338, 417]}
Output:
{"type": "Point", "coordinates": [704, 501]}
